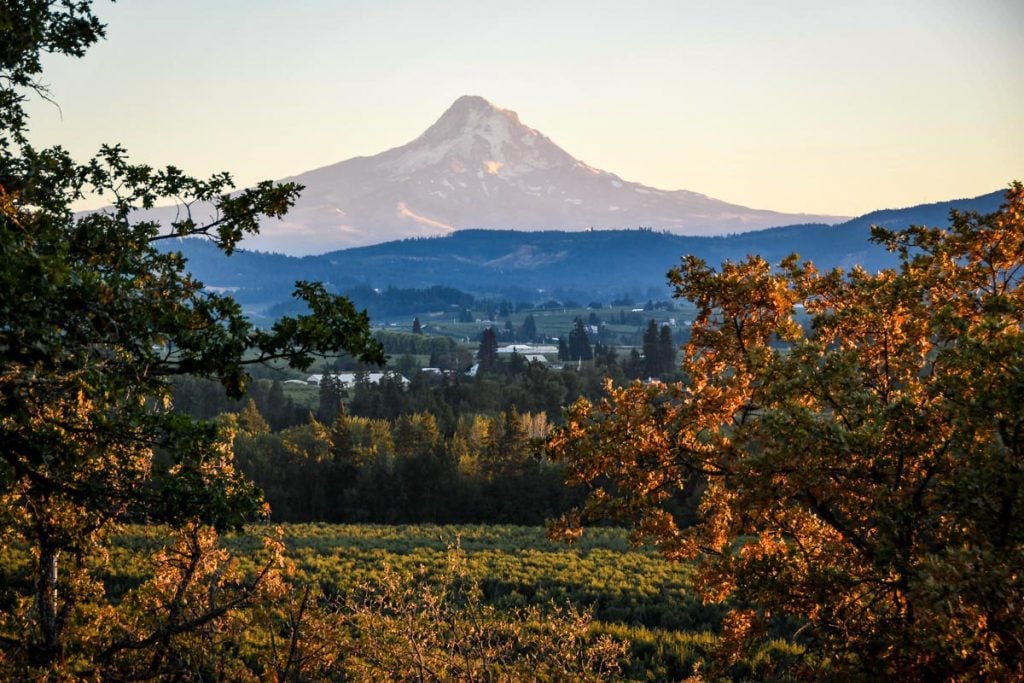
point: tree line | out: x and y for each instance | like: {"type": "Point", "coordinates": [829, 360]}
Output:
{"type": "Point", "coordinates": [405, 470]}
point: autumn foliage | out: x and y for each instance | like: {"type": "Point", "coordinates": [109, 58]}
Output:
{"type": "Point", "coordinates": [856, 444]}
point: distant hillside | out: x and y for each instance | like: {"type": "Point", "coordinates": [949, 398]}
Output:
{"type": "Point", "coordinates": [531, 266]}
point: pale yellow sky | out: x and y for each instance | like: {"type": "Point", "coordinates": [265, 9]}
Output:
{"type": "Point", "coordinates": [817, 107]}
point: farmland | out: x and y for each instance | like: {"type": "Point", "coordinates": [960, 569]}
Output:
{"type": "Point", "coordinates": [635, 595]}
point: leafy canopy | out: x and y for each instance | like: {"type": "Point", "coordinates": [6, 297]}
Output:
{"type": "Point", "coordinates": [861, 475]}
{"type": "Point", "coordinates": [94, 321]}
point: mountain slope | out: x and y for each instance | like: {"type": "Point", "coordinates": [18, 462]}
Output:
{"type": "Point", "coordinates": [480, 167]}
{"type": "Point", "coordinates": [530, 266]}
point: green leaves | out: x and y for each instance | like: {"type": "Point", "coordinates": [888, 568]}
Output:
{"type": "Point", "coordinates": [28, 30]}
{"type": "Point", "coordinates": [94, 322]}
{"type": "Point", "coordinates": [332, 322]}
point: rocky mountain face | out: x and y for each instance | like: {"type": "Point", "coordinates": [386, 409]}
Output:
{"type": "Point", "coordinates": [478, 166]}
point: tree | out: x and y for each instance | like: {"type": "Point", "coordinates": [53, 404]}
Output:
{"type": "Point", "coordinates": [666, 350]}
{"type": "Point", "coordinates": [416, 327]}
{"type": "Point", "coordinates": [251, 421]}
{"type": "Point", "coordinates": [652, 350]}
{"type": "Point", "coordinates": [488, 352]}
{"type": "Point", "coordinates": [862, 476]}
{"type": "Point", "coordinates": [342, 448]}
{"type": "Point", "coordinates": [563, 349]}
{"type": "Point", "coordinates": [332, 396]}
{"type": "Point", "coordinates": [96, 322]}
{"type": "Point", "coordinates": [579, 343]}
{"type": "Point", "coordinates": [528, 333]}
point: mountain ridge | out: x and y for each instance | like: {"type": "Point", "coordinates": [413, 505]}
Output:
{"type": "Point", "coordinates": [528, 266]}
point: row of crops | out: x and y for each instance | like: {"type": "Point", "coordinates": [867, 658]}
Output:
{"type": "Point", "coordinates": [516, 566]}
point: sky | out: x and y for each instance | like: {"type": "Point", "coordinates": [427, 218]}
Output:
{"type": "Point", "coordinates": [798, 106]}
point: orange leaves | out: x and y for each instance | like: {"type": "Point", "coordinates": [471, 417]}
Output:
{"type": "Point", "coordinates": [843, 469]}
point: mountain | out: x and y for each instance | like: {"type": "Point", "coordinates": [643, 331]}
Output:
{"type": "Point", "coordinates": [480, 167]}
{"type": "Point", "coordinates": [533, 266]}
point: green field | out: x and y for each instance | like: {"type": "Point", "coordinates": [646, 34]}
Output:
{"type": "Point", "coordinates": [636, 595]}
{"type": "Point", "coordinates": [516, 566]}
{"type": "Point", "coordinates": [550, 322]}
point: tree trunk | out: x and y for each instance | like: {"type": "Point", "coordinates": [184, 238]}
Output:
{"type": "Point", "coordinates": [48, 650]}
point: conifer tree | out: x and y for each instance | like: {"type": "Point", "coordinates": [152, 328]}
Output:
{"type": "Point", "coordinates": [579, 343]}
{"type": "Point", "coordinates": [652, 350]}
{"type": "Point", "coordinates": [666, 350]}
{"type": "Point", "coordinates": [251, 421]}
{"type": "Point", "coordinates": [487, 355]}
{"type": "Point", "coordinates": [528, 333]}
{"type": "Point", "coordinates": [332, 395]}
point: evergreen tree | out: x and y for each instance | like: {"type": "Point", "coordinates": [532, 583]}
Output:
{"type": "Point", "coordinates": [506, 441]}
{"type": "Point", "coordinates": [332, 393]}
{"type": "Point", "coordinates": [416, 327]}
{"type": "Point", "coordinates": [666, 350]}
{"type": "Point", "coordinates": [579, 342]}
{"type": "Point", "coordinates": [278, 409]}
{"type": "Point", "coordinates": [516, 365]}
{"type": "Point", "coordinates": [488, 352]}
{"type": "Point", "coordinates": [633, 366]}
{"type": "Point", "coordinates": [652, 350]}
{"type": "Point", "coordinates": [251, 421]}
{"type": "Point", "coordinates": [342, 446]}
{"type": "Point", "coordinates": [528, 332]}
{"type": "Point", "coordinates": [563, 349]}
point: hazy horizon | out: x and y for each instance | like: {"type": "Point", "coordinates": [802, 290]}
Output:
{"type": "Point", "coordinates": [796, 107]}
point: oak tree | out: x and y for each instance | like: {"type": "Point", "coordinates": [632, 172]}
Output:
{"type": "Point", "coordinates": [861, 470]}
{"type": "Point", "coordinates": [96, 317]}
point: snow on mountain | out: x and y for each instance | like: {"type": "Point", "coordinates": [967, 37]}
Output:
{"type": "Point", "coordinates": [478, 166]}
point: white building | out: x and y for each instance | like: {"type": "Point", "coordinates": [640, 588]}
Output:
{"type": "Point", "coordinates": [525, 349]}
{"type": "Point", "coordinates": [348, 379]}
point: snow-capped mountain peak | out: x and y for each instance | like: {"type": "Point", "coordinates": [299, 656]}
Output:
{"type": "Point", "coordinates": [475, 136]}
{"type": "Point", "coordinates": [479, 166]}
